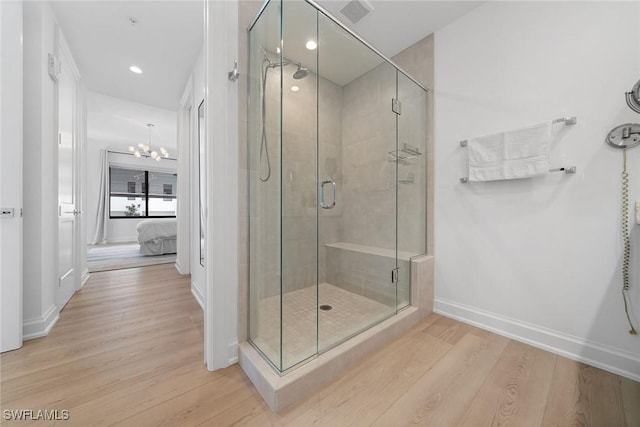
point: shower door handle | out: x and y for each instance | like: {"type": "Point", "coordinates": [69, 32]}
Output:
{"type": "Point", "coordinates": [333, 202]}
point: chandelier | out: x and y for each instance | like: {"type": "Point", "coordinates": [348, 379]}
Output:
{"type": "Point", "coordinates": [145, 150]}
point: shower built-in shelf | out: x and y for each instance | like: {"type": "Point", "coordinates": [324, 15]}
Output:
{"type": "Point", "coordinates": [405, 153]}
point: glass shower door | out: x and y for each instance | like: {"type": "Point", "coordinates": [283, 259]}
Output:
{"type": "Point", "coordinates": [357, 180]}
{"type": "Point", "coordinates": [298, 184]}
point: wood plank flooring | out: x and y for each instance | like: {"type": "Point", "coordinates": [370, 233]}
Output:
{"type": "Point", "coordinates": [128, 351]}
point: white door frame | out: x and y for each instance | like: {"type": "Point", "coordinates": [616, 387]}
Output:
{"type": "Point", "coordinates": [221, 124]}
{"type": "Point", "coordinates": [185, 132]}
{"type": "Point", "coordinates": [11, 260]}
{"type": "Point", "coordinates": [198, 264]}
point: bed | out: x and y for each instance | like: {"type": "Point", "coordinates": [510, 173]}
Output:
{"type": "Point", "coordinates": [157, 236]}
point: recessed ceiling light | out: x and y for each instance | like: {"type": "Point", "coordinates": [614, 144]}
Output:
{"type": "Point", "coordinates": [135, 69]}
{"type": "Point", "coordinates": [294, 88]}
{"type": "Point", "coordinates": [311, 45]}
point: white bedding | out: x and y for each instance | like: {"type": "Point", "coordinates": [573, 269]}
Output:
{"type": "Point", "coordinates": [157, 228]}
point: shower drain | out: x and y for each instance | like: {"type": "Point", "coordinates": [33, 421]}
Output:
{"type": "Point", "coordinates": [325, 307]}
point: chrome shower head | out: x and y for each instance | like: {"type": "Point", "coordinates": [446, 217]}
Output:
{"type": "Point", "coordinates": [301, 72]}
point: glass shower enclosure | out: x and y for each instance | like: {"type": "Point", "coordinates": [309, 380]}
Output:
{"type": "Point", "coordinates": [337, 183]}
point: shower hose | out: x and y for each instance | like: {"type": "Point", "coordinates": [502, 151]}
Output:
{"type": "Point", "coordinates": [626, 239]}
{"type": "Point", "coordinates": [264, 149]}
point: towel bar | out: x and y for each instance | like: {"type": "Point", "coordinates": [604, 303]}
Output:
{"type": "Point", "coordinates": [565, 169]}
{"type": "Point", "coordinates": [566, 120]}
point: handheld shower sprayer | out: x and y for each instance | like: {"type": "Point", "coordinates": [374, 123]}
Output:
{"type": "Point", "coordinates": [624, 137]}
{"type": "Point", "coordinates": [633, 97]}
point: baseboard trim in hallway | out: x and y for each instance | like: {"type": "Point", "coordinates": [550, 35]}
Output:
{"type": "Point", "coordinates": [40, 327]}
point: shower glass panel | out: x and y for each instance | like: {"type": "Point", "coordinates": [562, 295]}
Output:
{"type": "Point", "coordinates": [357, 235]}
{"type": "Point", "coordinates": [336, 205]}
{"type": "Point", "coordinates": [412, 180]}
{"type": "Point", "coordinates": [264, 163]}
{"type": "Point", "coordinates": [298, 184]}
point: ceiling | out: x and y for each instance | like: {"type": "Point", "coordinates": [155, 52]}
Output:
{"type": "Point", "coordinates": [165, 43]}
{"type": "Point", "coordinates": [167, 39]}
{"type": "Point", "coordinates": [117, 123]}
{"type": "Point", "coordinates": [394, 25]}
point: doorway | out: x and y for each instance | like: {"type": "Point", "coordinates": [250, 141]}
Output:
{"type": "Point", "coordinates": [134, 60]}
{"type": "Point", "coordinates": [89, 22]}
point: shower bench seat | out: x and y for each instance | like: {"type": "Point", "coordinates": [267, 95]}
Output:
{"type": "Point", "coordinates": [366, 270]}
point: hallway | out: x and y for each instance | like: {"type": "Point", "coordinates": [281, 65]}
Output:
{"type": "Point", "coordinates": [117, 342]}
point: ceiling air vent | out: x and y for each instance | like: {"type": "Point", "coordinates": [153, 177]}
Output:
{"type": "Point", "coordinates": [355, 10]}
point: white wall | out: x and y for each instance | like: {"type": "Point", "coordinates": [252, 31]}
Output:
{"type": "Point", "coordinates": [114, 124]}
{"type": "Point", "coordinates": [11, 175]}
{"type": "Point", "coordinates": [539, 259]}
{"type": "Point", "coordinates": [221, 118]}
{"type": "Point", "coordinates": [39, 173]}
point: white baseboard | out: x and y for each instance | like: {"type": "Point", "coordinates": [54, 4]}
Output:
{"type": "Point", "coordinates": [84, 277]}
{"type": "Point", "coordinates": [602, 356]}
{"type": "Point", "coordinates": [40, 326]}
{"type": "Point", "coordinates": [232, 351]}
{"type": "Point", "coordinates": [197, 293]}
{"type": "Point", "coordinates": [179, 267]}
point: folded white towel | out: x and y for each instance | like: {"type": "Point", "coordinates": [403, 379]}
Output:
{"type": "Point", "coordinates": [513, 154]}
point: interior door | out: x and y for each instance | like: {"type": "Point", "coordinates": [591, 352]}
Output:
{"type": "Point", "coordinates": [11, 176]}
{"type": "Point", "coordinates": [67, 203]}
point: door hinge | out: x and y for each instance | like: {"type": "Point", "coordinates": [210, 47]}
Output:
{"type": "Point", "coordinates": [396, 106]}
{"type": "Point", "coordinates": [54, 67]}
{"type": "Point", "coordinates": [395, 275]}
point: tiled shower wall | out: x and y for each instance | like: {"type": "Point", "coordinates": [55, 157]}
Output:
{"type": "Point", "coordinates": [302, 157]}
{"type": "Point", "coordinates": [369, 134]}
{"type": "Point", "coordinates": [372, 225]}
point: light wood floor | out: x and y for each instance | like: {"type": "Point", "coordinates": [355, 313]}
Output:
{"type": "Point", "coordinates": [127, 351]}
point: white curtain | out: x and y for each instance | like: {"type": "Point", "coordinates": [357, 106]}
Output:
{"type": "Point", "coordinates": [102, 215]}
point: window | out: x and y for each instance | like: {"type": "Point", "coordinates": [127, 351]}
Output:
{"type": "Point", "coordinates": [141, 193]}
{"type": "Point", "coordinates": [131, 189]}
{"type": "Point", "coordinates": [167, 189]}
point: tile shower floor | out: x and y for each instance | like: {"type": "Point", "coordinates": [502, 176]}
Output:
{"type": "Point", "coordinates": [349, 314]}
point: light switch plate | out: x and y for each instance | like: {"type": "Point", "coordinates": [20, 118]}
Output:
{"type": "Point", "coordinates": [7, 212]}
